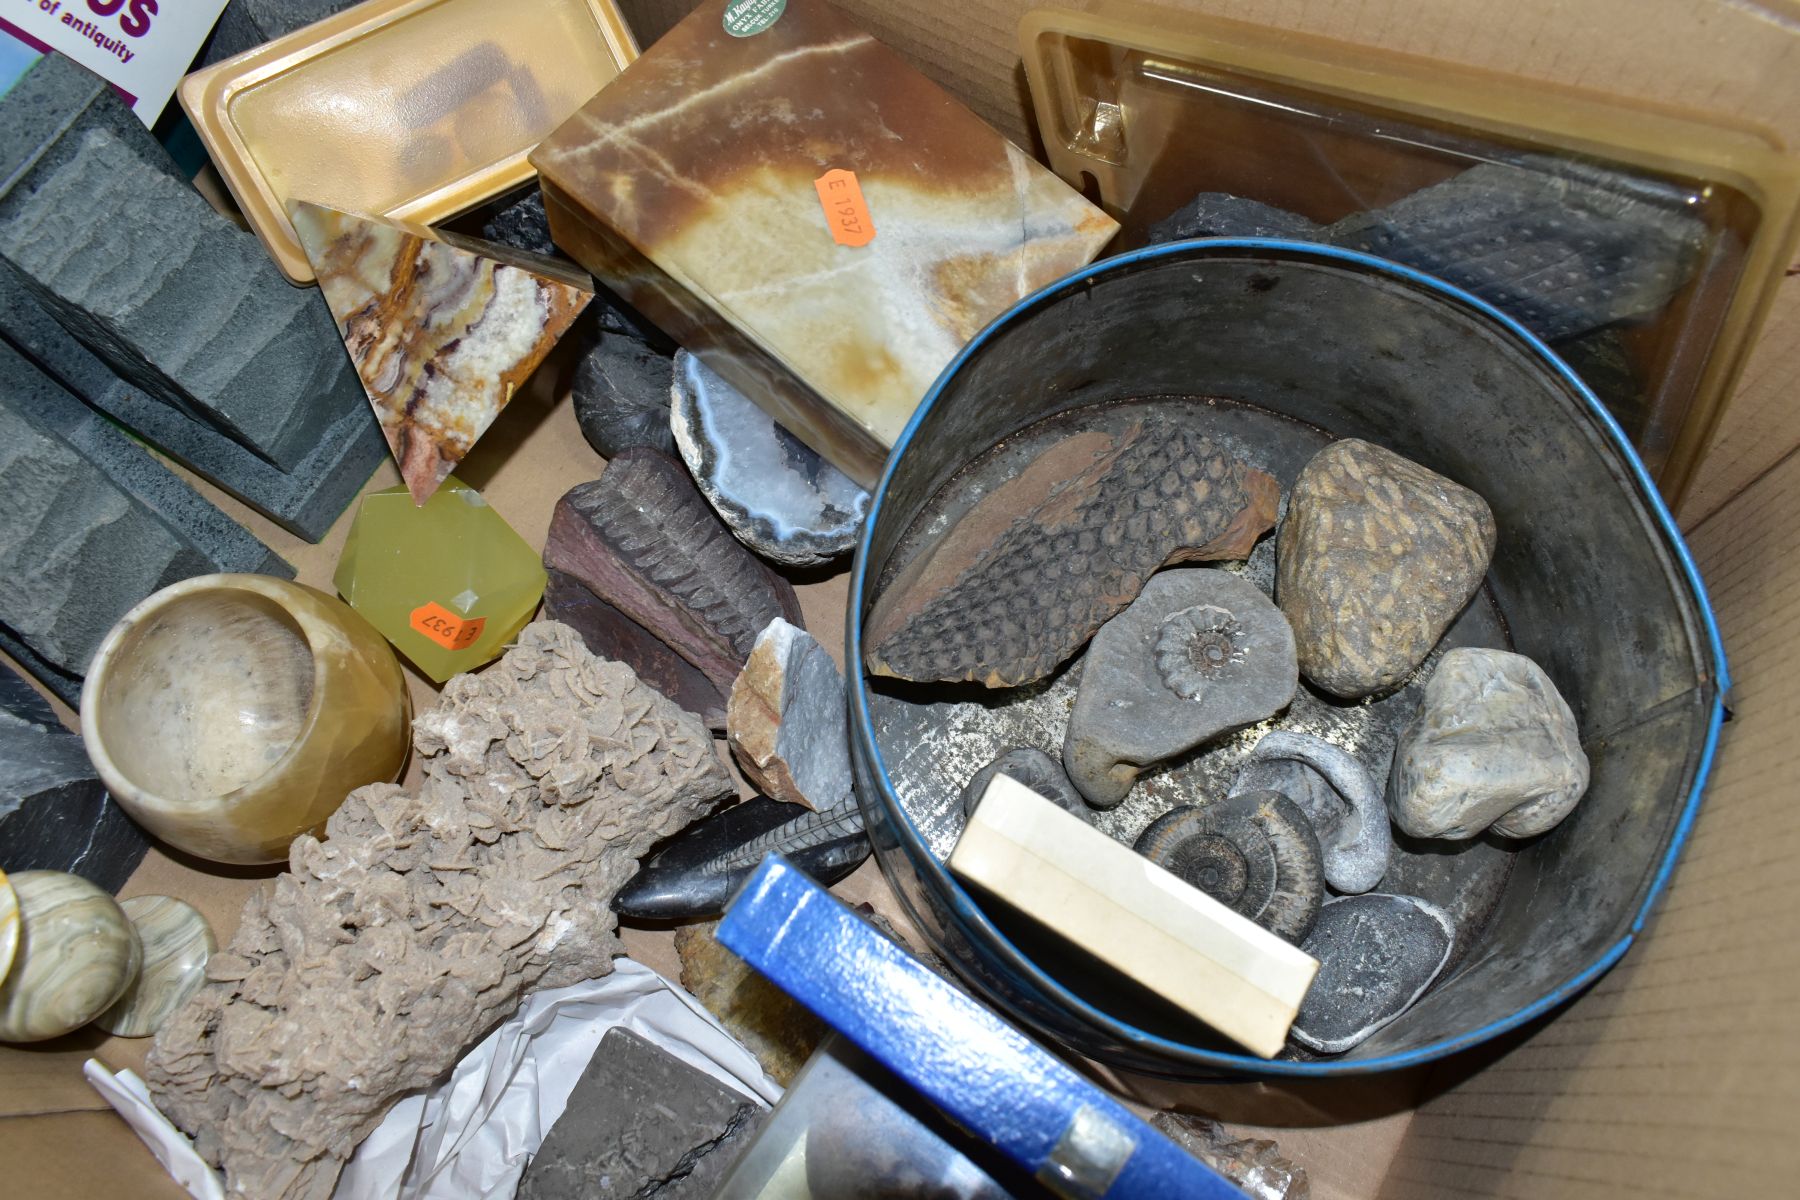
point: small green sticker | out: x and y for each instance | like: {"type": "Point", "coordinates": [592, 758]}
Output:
{"type": "Point", "coordinates": [744, 18]}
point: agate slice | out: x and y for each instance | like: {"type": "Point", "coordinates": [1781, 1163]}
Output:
{"type": "Point", "coordinates": [177, 941]}
{"type": "Point", "coordinates": [442, 329]}
{"type": "Point", "coordinates": [77, 954]}
{"type": "Point", "coordinates": [1012, 589]}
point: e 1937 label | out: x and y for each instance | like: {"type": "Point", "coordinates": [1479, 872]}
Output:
{"type": "Point", "coordinates": [846, 212]}
{"type": "Point", "coordinates": [445, 627]}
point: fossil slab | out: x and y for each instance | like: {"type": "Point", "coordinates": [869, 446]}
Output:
{"type": "Point", "coordinates": [780, 498]}
{"type": "Point", "coordinates": [698, 873]}
{"type": "Point", "coordinates": [1377, 955]}
{"type": "Point", "coordinates": [643, 540]}
{"type": "Point", "coordinates": [1254, 852]}
{"type": "Point", "coordinates": [641, 1122]}
{"type": "Point", "coordinates": [1375, 558]}
{"type": "Point", "coordinates": [1339, 797]}
{"type": "Point", "coordinates": [1494, 744]}
{"type": "Point", "coordinates": [1013, 588]}
{"type": "Point", "coordinates": [787, 720]}
{"type": "Point", "coordinates": [609, 633]}
{"type": "Point", "coordinates": [442, 329]}
{"type": "Point", "coordinates": [423, 917]}
{"type": "Point", "coordinates": [1035, 769]}
{"type": "Point", "coordinates": [621, 395]}
{"type": "Point", "coordinates": [1199, 653]}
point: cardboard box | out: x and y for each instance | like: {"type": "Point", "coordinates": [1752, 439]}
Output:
{"type": "Point", "coordinates": [1678, 1073]}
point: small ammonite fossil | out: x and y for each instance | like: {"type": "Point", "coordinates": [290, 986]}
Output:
{"type": "Point", "coordinates": [1198, 648]}
{"type": "Point", "coordinates": [1255, 853]}
{"type": "Point", "coordinates": [1037, 771]}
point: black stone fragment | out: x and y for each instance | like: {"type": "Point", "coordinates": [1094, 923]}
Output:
{"type": "Point", "coordinates": [1220, 214]}
{"type": "Point", "coordinates": [640, 1123]}
{"type": "Point", "coordinates": [1377, 954]}
{"type": "Point", "coordinates": [54, 813]}
{"type": "Point", "coordinates": [622, 394]}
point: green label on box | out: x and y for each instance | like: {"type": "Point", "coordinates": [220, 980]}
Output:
{"type": "Point", "coordinates": [744, 18]}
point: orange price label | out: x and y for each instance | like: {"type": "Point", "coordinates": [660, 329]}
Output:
{"type": "Point", "coordinates": [846, 212]}
{"type": "Point", "coordinates": [445, 627]}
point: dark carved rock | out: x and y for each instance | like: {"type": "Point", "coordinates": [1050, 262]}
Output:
{"type": "Point", "coordinates": [622, 389]}
{"type": "Point", "coordinates": [1254, 853]}
{"type": "Point", "coordinates": [1037, 771]}
{"type": "Point", "coordinates": [609, 633]}
{"type": "Point", "coordinates": [1376, 557]}
{"type": "Point", "coordinates": [1198, 654]}
{"type": "Point", "coordinates": [1219, 214]}
{"type": "Point", "coordinates": [1377, 955]}
{"type": "Point", "coordinates": [641, 1121]}
{"type": "Point", "coordinates": [698, 873]}
{"type": "Point", "coordinates": [643, 540]}
{"type": "Point", "coordinates": [54, 813]}
{"type": "Point", "coordinates": [1010, 591]}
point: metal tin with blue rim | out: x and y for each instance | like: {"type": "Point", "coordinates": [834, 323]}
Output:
{"type": "Point", "coordinates": [1590, 574]}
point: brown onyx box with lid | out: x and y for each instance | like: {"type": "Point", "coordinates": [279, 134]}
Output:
{"type": "Point", "coordinates": [697, 185]}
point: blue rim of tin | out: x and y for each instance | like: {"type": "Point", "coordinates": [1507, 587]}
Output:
{"type": "Point", "coordinates": [970, 914]}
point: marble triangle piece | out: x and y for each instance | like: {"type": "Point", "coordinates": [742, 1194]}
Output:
{"type": "Point", "coordinates": [442, 328]}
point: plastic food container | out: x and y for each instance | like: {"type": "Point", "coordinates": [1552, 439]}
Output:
{"type": "Point", "coordinates": [1590, 579]}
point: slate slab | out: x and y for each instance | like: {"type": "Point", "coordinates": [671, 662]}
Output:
{"type": "Point", "coordinates": [129, 258]}
{"type": "Point", "coordinates": [641, 1122]}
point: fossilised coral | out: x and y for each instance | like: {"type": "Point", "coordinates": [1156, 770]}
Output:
{"type": "Point", "coordinates": [390, 947]}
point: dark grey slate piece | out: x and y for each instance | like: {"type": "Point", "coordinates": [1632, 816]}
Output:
{"type": "Point", "coordinates": [1220, 214]}
{"type": "Point", "coordinates": [91, 524]}
{"type": "Point", "coordinates": [779, 497]}
{"type": "Point", "coordinates": [54, 813]}
{"type": "Point", "coordinates": [246, 24]}
{"type": "Point", "coordinates": [522, 223]}
{"type": "Point", "coordinates": [305, 501]}
{"type": "Point", "coordinates": [622, 389]}
{"type": "Point", "coordinates": [641, 1122]}
{"type": "Point", "coordinates": [1563, 247]}
{"type": "Point", "coordinates": [1377, 954]}
{"type": "Point", "coordinates": [135, 263]}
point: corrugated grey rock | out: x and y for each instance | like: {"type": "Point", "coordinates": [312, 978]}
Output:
{"type": "Point", "coordinates": [787, 720]}
{"type": "Point", "coordinates": [82, 541]}
{"type": "Point", "coordinates": [1376, 557]}
{"type": "Point", "coordinates": [1339, 797]}
{"type": "Point", "coordinates": [779, 497]}
{"type": "Point", "coordinates": [1220, 214]}
{"type": "Point", "coordinates": [1494, 744]}
{"type": "Point", "coordinates": [305, 501]}
{"type": "Point", "coordinates": [1037, 771]}
{"type": "Point", "coordinates": [621, 392]}
{"type": "Point", "coordinates": [1199, 653]}
{"type": "Point", "coordinates": [1564, 247]}
{"type": "Point", "coordinates": [1377, 955]}
{"type": "Point", "coordinates": [246, 24]}
{"type": "Point", "coordinates": [136, 264]}
{"type": "Point", "coordinates": [641, 1122]}
{"type": "Point", "coordinates": [54, 813]}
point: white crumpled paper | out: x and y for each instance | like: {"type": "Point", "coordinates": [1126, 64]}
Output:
{"type": "Point", "coordinates": [472, 1135]}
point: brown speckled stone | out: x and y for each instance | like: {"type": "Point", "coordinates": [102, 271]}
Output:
{"type": "Point", "coordinates": [1375, 559]}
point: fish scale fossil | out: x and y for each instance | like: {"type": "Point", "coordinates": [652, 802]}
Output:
{"type": "Point", "coordinates": [644, 540]}
{"type": "Point", "coordinates": [1020, 582]}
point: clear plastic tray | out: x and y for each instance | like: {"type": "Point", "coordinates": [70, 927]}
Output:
{"type": "Point", "coordinates": [1145, 119]}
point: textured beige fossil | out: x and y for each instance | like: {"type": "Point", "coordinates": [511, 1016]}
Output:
{"type": "Point", "coordinates": [390, 947]}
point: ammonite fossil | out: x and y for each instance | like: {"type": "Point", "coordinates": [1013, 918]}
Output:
{"type": "Point", "coordinates": [1037, 771]}
{"type": "Point", "coordinates": [1255, 853]}
{"type": "Point", "coordinates": [1339, 797]}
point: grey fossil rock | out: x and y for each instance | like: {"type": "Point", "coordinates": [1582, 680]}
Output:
{"type": "Point", "coordinates": [1199, 653]}
{"type": "Point", "coordinates": [1377, 955]}
{"type": "Point", "coordinates": [1494, 744]}
{"type": "Point", "coordinates": [621, 392]}
{"type": "Point", "coordinates": [1339, 797]}
{"type": "Point", "coordinates": [1254, 852]}
{"type": "Point", "coordinates": [787, 721]}
{"type": "Point", "coordinates": [641, 1122]}
{"type": "Point", "coordinates": [424, 917]}
{"type": "Point", "coordinates": [780, 498]}
{"type": "Point", "coordinates": [1377, 555]}
{"type": "Point", "coordinates": [1037, 771]}
{"type": "Point", "coordinates": [643, 540]}
{"type": "Point", "coordinates": [1014, 587]}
